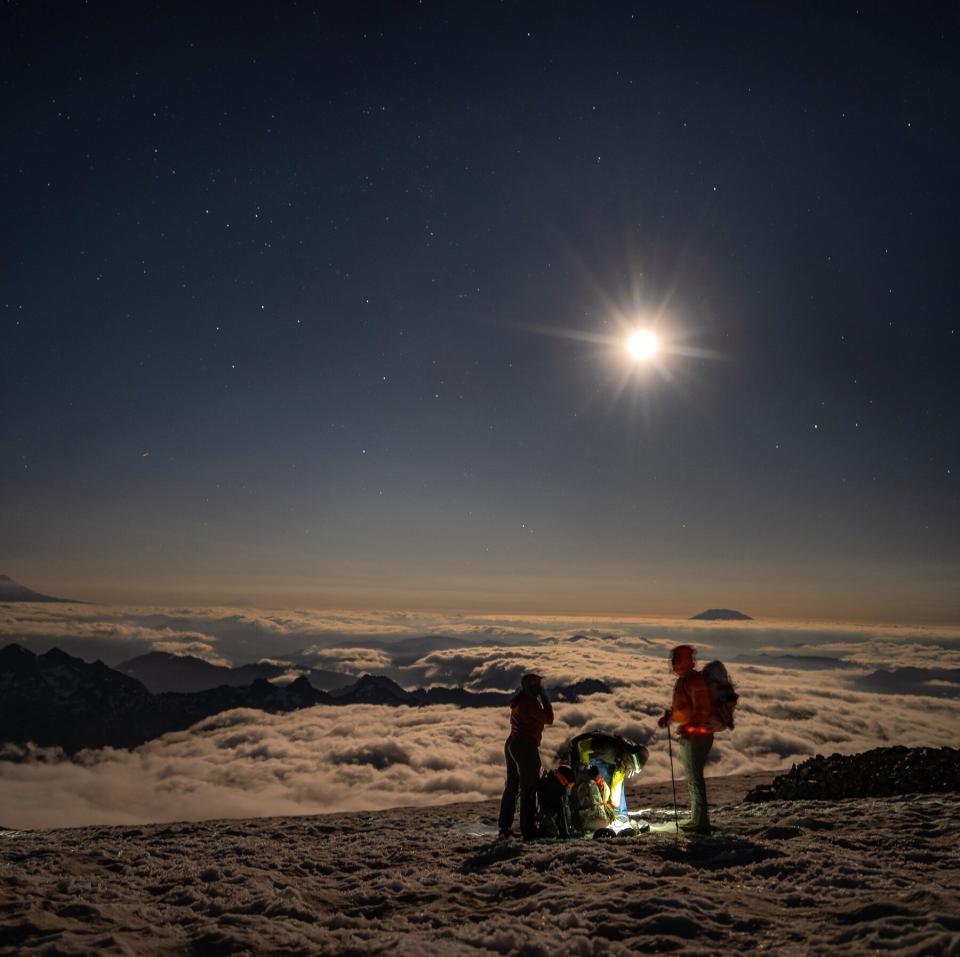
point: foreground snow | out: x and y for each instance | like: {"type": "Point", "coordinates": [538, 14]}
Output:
{"type": "Point", "coordinates": [788, 878]}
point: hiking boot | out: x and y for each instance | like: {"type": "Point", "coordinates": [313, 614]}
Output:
{"type": "Point", "coordinates": [507, 836]}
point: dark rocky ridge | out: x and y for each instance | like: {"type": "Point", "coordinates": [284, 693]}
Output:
{"type": "Point", "coordinates": [161, 671]}
{"type": "Point", "coordinates": [930, 682]}
{"type": "Point", "coordinates": [56, 700]}
{"type": "Point", "coordinates": [882, 772]}
{"type": "Point", "coordinates": [796, 662]}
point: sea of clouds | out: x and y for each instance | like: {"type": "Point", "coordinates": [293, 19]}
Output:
{"type": "Point", "coordinates": [802, 685]}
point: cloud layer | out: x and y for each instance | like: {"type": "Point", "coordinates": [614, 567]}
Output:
{"type": "Point", "coordinates": [240, 635]}
{"type": "Point", "coordinates": [247, 763]}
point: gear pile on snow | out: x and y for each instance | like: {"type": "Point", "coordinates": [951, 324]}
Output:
{"type": "Point", "coordinates": [878, 773]}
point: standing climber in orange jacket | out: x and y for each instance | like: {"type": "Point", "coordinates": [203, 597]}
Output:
{"type": "Point", "coordinates": [692, 712]}
{"type": "Point", "coordinates": [530, 710]}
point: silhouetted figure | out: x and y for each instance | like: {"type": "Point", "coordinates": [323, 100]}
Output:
{"type": "Point", "coordinates": [692, 710]}
{"type": "Point", "coordinates": [530, 711]}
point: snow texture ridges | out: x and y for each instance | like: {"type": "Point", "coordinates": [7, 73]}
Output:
{"type": "Point", "coordinates": [790, 879]}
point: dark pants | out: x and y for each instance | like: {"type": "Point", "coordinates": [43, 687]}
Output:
{"type": "Point", "coordinates": [523, 773]}
{"type": "Point", "coordinates": [693, 753]}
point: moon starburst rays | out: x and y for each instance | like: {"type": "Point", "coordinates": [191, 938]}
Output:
{"type": "Point", "coordinates": [643, 344]}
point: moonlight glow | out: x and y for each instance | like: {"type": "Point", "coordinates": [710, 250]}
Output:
{"type": "Point", "coordinates": [642, 344]}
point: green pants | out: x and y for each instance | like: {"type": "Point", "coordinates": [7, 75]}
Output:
{"type": "Point", "coordinates": [693, 753]}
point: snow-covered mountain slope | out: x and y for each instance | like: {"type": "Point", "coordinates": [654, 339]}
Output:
{"type": "Point", "coordinates": [786, 878]}
{"type": "Point", "coordinates": [11, 591]}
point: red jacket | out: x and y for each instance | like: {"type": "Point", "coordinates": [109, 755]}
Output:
{"type": "Point", "coordinates": [691, 702]}
{"type": "Point", "coordinates": [528, 716]}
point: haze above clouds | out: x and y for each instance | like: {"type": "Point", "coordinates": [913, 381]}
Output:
{"type": "Point", "coordinates": [246, 763]}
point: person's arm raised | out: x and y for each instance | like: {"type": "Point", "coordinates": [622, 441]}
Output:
{"type": "Point", "coordinates": [547, 707]}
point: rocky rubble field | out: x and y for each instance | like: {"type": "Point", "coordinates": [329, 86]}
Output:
{"type": "Point", "coordinates": [882, 772]}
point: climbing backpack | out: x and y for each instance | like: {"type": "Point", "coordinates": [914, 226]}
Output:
{"type": "Point", "coordinates": [723, 697]}
{"type": "Point", "coordinates": [553, 799]}
{"type": "Point", "coordinates": [611, 748]}
{"type": "Point", "coordinates": [591, 801]}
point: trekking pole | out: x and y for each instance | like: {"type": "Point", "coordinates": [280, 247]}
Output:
{"type": "Point", "coordinates": [673, 780]}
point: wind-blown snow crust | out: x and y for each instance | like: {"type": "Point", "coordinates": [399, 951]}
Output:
{"type": "Point", "coordinates": [792, 878]}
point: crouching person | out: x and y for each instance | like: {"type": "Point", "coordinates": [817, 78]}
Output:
{"type": "Point", "coordinates": [615, 758]}
{"type": "Point", "coordinates": [530, 711]}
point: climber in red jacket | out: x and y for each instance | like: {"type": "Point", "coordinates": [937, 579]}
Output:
{"type": "Point", "coordinates": [530, 711]}
{"type": "Point", "coordinates": [691, 710]}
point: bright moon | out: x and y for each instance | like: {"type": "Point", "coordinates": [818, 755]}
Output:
{"type": "Point", "coordinates": [642, 344]}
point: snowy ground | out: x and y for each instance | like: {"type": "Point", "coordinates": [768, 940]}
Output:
{"type": "Point", "coordinates": [786, 878]}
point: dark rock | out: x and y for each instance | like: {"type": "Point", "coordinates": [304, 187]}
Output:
{"type": "Point", "coordinates": [580, 689]}
{"type": "Point", "coordinates": [373, 689]}
{"type": "Point", "coordinates": [881, 772]}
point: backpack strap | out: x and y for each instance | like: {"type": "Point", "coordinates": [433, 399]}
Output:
{"type": "Point", "coordinates": [562, 778]}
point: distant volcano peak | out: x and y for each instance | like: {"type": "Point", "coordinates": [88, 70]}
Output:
{"type": "Point", "coordinates": [721, 614]}
{"type": "Point", "coordinates": [12, 591]}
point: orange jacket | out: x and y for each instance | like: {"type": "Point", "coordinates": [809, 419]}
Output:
{"type": "Point", "coordinates": [691, 701]}
{"type": "Point", "coordinates": [528, 716]}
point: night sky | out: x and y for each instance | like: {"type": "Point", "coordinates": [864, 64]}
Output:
{"type": "Point", "coordinates": [327, 306]}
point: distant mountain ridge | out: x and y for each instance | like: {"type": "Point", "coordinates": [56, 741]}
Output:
{"type": "Point", "coordinates": [720, 614]}
{"type": "Point", "coordinates": [378, 689]}
{"type": "Point", "coordinates": [161, 671]}
{"type": "Point", "coordinates": [56, 700]}
{"type": "Point", "coordinates": [929, 682]}
{"type": "Point", "coordinates": [796, 662]}
{"type": "Point", "coordinates": [13, 591]}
